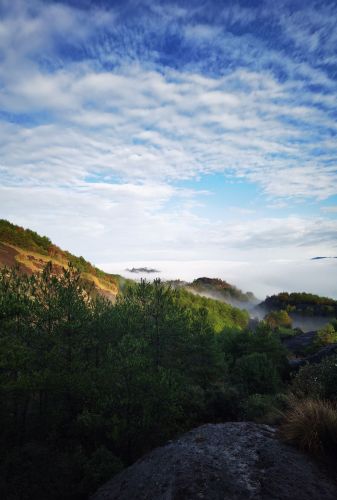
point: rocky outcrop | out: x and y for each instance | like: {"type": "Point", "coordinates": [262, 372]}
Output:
{"type": "Point", "coordinates": [234, 461]}
{"type": "Point", "coordinates": [299, 343]}
{"type": "Point", "coordinates": [317, 357]}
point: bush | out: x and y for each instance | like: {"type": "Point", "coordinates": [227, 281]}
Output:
{"type": "Point", "coordinates": [256, 407]}
{"type": "Point", "coordinates": [325, 336]}
{"type": "Point", "coordinates": [311, 425]}
{"type": "Point", "coordinates": [222, 403]}
{"type": "Point", "coordinates": [286, 333]}
{"type": "Point", "coordinates": [276, 319]}
{"type": "Point", "coordinates": [256, 373]}
{"type": "Point", "coordinates": [317, 380]}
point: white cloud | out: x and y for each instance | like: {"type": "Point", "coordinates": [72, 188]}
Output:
{"type": "Point", "coordinates": [104, 130]}
{"type": "Point", "coordinates": [143, 124]}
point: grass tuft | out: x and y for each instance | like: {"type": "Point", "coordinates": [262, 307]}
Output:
{"type": "Point", "coordinates": [311, 425]}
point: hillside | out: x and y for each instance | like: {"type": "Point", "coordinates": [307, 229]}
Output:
{"type": "Point", "coordinates": [304, 304]}
{"type": "Point", "coordinates": [30, 252]}
{"type": "Point", "coordinates": [220, 314]}
{"type": "Point", "coordinates": [220, 290]}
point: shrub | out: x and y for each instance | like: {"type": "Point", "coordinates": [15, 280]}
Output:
{"type": "Point", "coordinates": [286, 333]}
{"type": "Point", "coordinates": [256, 406]}
{"type": "Point", "coordinates": [311, 425]}
{"type": "Point", "coordinates": [256, 373]}
{"type": "Point", "coordinates": [325, 336]}
{"type": "Point", "coordinates": [277, 319]}
{"type": "Point", "coordinates": [222, 403]}
{"type": "Point", "coordinates": [317, 380]}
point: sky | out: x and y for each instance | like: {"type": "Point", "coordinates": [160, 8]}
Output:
{"type": "Point", "coordinates": [196, 137]}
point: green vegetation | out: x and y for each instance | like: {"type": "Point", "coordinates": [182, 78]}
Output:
{"type": "Point", "coordinates": [278, 319]}
{"type": "Point", "coordinates": [306, 304]}
{"type": "Point", "coordinates": [24, 238]}
{"type": "Point", "coordinates": [318, 380]}
{"type": "Point", "coordinates": [310, 420]}
{"type": "Point", "coordinates": [220, 315]}
{"type": "Point", "coordinates": [326, 335]}
{"type": "Point", "coordinates": [29, 241]}
{"type": "Point", "coordinates": [87, 385]}
{"type": "Point", "coordinates": [221, 290]}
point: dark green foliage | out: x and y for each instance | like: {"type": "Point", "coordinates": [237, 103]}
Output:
{"type": "Point", "coordinates": [88, 386]}
{"type": "Point", "coordinates": [256, 362]}
{"type": "Point", "coordinates": [263, 408]}
{"type": "Point", "coordinates": [306, 304]}
{"type": "Point", "coordinates": [237, 343]}
{"type": "Point", "coordinates": [255, 372]}
{"type": "Point", "coordinates": [24, 238]}
{"type": "Point", "coordinates": [221, 290]}
{"type": "Point", "coordinates": [317, 380]}
{"type": "Point", "coordinates": [220, 315]}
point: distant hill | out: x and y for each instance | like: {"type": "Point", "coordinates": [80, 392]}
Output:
{"type": "Point", "coordinates": [220, 314]}
{"type": "Point", "coordinates": [304, 304]}
{"type": "Point", "coordinates": [217, 289]}
{"type": "Point", "coordinates": [30, 252]}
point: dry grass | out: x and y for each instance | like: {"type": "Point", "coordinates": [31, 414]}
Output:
{"type": "Point", "coordinates": [311, 425]}
{"type": "Point", "coordinates": [34, 265]}
{"type": "Point", "coordinates": [103, 285]}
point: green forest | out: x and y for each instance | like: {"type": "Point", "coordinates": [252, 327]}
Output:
{"type": "Point", "coordinates": [303, 303]}
{"type": "Point", "coordinates": [87, 386]}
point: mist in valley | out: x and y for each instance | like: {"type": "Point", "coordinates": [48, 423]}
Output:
{"type": "Point", "coordinates": [262, 278]}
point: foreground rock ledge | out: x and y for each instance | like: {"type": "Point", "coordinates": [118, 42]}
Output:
{"type": "Point", "coordinates": [240, 460]}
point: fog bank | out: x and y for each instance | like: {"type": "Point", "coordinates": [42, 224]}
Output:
{"type": "Point", "coordinates": [261, 278]}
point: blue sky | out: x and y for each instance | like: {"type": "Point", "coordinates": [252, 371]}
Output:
{"type": "Point", "coordinates": [191, 131]}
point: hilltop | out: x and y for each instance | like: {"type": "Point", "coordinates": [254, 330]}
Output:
{"type": "Point", "coordinates": [222, 290]}
{"type": "Point", "coordinates": [30, 252]}
{"type": "Point", "coordinates": [302, 303]}
{"type": "Point", "coordinates": [217, 289]}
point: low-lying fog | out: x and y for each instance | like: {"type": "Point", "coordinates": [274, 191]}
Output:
{"type": "Point", "coordinates": [261, 278]}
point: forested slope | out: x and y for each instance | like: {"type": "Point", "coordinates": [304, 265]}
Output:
{"type": "Point", "coordinates": [88, 385]}
{"type": "Point", "coordinates": [31, 252]}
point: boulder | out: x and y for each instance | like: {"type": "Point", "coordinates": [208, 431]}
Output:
{"type": "Point", "coordinates": [234, 461]}
{"type": "Point", "coordinates": [317, 357]}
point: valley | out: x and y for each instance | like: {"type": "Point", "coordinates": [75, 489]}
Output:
{"type": "Point", "coordinates": [98, 370]}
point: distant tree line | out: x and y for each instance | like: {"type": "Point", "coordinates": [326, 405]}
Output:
{"type": "Point", "coordinates": [303, 303]}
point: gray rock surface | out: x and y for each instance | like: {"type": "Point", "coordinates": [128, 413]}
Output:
{"type": "Point", "coordinates": [317, 357]}
{"type": "Point", "coordinates": [300, 342]}
{"type": "Point", "coordinates": [233, 461]}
